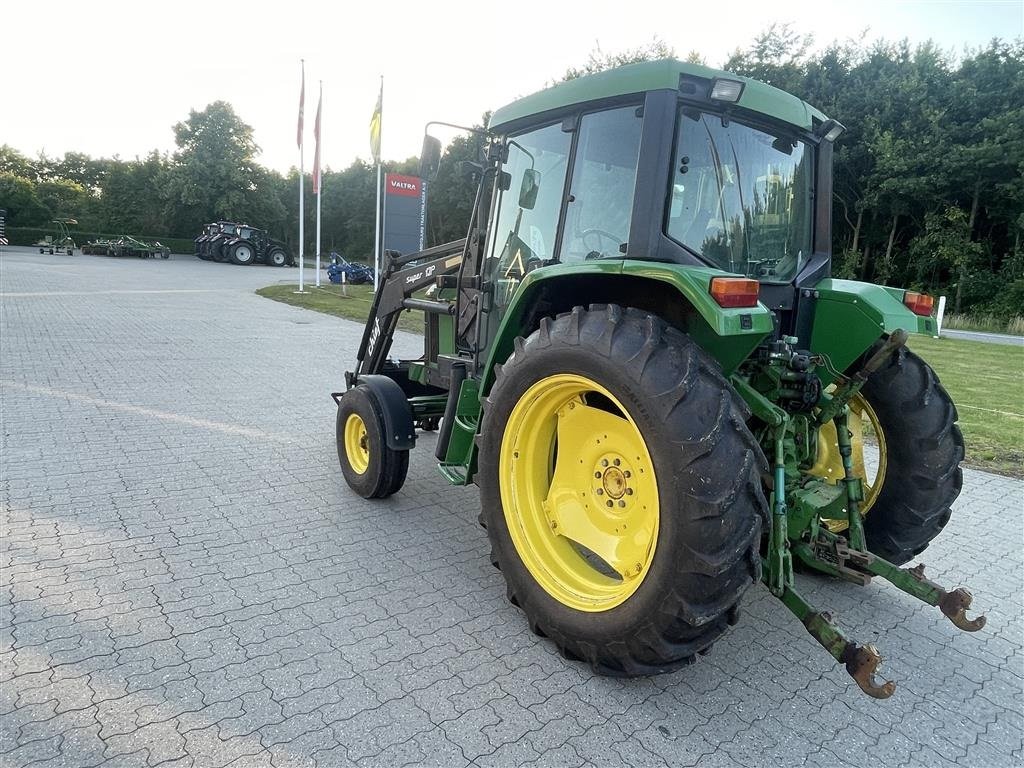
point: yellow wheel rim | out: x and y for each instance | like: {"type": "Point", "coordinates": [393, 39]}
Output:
{"type": "Point", "coordinates": [357, 444]}
{"type": "Point", "coordinates": [865, 427]}
{"type": "Point", "coordinates": [579, 492]}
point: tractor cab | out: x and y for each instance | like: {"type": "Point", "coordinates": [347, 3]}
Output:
{"type": "Point", "coordinates": [703, 168]}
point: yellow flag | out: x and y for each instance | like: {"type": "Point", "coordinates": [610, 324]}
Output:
{"type": "Point", "coordinates": [375, 125]}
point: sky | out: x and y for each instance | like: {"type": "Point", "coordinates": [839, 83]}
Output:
{"type": "Point", "coordinates": [111, 78]}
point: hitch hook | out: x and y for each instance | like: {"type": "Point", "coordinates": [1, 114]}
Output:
{"type": "Point", "coordinates": [862, 662]}
{"type": "Point", "coordinates": [954, 606]}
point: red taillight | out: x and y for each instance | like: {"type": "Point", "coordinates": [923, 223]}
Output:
{"type": "Point", "coordinates": [919, 303]}
{"type": "Point", "coordinates": [732, 292]}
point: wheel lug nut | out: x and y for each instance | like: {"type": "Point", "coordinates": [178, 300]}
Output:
{"type": "Point", "coordinates": [604, 462]}
{"type": "Point", "coordinates": [610, 503]}
{"type": "Point", "coordinates": [622, 503]}
{"type": "Point", "coordinates": [617, 462]}
{"type": "Point", "coordinates": [597, 475]}
{"type": "Point", "coordinates": [629, 491]}
{"type": "Point", "coordinates": [600, 491]}
{"type": "Point", "coordinates": [627, 473]}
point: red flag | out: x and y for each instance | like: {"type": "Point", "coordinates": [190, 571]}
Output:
{"type": "Point", "coordinates": [316, 152]}
{"type": "Point", "coordinates": [302, 103]}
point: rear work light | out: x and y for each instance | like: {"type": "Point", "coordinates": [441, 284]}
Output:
{"type": "Point", "coordinates": [919, 303]}
{"type": "Point", "coordinates": [726, 90]}
{"type": "Point", "coordinates": [732, 292]}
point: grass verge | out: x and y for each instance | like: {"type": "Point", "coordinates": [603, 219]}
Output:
{"type": "Point", "coordinates": [352, 304]}
{"type": "Point", "coordinates": [986, 381]}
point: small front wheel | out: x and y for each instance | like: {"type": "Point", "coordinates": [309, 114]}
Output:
{"type": "Point", "coordinates": [371, 468]}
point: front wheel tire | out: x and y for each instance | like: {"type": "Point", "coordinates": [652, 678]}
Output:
{"type": "Point", "coordinates": [371, 469]}
{"type": "Point", "coordinates": [621, 490]}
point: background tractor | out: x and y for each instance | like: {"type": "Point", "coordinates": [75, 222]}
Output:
{"type": "Point", "coordinates": [251, 245]}
{"type": "Point", "coordinates": [642, 361]}
{"type": "Point", "coordinates": [212, 248]}
{"type": "Point", "coordinates": [209, 230]}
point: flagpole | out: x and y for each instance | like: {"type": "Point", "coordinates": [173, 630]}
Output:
{"type": "Point", "coordinates": [302, 173]}
{"type": "Point", "coordinates": [319, 181]}
{"type": "Point", "coordinates": [376, 236]}
{"type": "Point", "coordinates": [376, 229]}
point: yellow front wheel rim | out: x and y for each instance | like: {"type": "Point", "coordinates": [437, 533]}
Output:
{"type": "Point", "coordinates": [865, 426]}
{"type": "Point", "coordinates": [357, 444]}
{"type": "Point", "coordinates": [579, 492]}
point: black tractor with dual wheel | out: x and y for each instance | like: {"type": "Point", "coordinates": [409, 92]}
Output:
{"type": "Point", "coordinates": [639, 355]}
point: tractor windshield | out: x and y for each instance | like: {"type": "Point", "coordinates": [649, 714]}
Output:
{"type": "Point", "coordinates": [741, 198]}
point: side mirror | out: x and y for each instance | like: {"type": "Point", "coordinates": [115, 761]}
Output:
{"type": "Point", "coordinates": [430, 158]}
{"type": "Point", "coordinates": [529, 189]}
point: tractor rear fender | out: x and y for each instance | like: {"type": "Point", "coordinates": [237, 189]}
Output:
{"type": "Point", "coordinates": [399, 431]}
{"type": "Point", "coordinates": [849, 316]}
{"type": "Point", "coordinates": [677, 293]}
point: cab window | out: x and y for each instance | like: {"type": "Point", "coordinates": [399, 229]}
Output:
{"type": "Point", "coordinates": [600, 203]}
{"type": "Point", "coordinates": [523, 236]}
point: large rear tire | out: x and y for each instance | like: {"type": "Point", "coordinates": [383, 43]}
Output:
{"type": "Point", "coordinates": [242, 254]}
{"type": "Point", "coordinates": [923, 450]}
{"type": "Point", "coordinates": [621, 490]}
{"type": "Point", "coordinates": [371, 469]}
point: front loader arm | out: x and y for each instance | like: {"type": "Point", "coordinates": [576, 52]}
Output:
{"type": "Point", "coordinates": [400, 281]}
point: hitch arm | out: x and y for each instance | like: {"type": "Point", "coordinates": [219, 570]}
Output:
{"type": "Point", "coordinates": [861, 661]}
{"type": "Point", "coordinates": [859, 566]}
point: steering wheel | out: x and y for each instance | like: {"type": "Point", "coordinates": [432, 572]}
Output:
{"type": "Point", "coordinates": [599, 235]}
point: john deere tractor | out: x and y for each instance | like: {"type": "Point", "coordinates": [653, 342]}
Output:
{"type": "Point", "coordinates": [639, 356]}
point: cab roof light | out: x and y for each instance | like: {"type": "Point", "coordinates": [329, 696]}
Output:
{"type": "Point", "coordinates": [731, 292]}
{"type": "Point", "coordinates": [919, 303]}
{"type": "Point", "coordinates": [726, 90]}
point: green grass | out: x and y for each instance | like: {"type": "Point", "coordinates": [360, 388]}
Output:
{"type": "Point", "coordinates": [986, 381]}
{"type": "Point", "coordinates": [353, 304]}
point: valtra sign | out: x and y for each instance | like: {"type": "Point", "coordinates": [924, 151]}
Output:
{"type": "Point", "coordinates": [405, 213]}
{"type": "Point", "coordinates": [408, 186]}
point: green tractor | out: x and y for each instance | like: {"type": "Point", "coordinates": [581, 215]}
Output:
{"type": "Point", "coordinates": [639, 356]}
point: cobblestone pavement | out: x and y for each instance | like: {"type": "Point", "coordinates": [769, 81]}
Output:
{"type": "Point", "coordinates": [186, 579]}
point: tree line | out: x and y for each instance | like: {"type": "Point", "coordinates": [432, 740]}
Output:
{"type": "Point", "coordinates": [929, 176]}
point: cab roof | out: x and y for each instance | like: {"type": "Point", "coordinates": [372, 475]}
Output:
{"type": "Point", "coordinates": [652, 76]}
